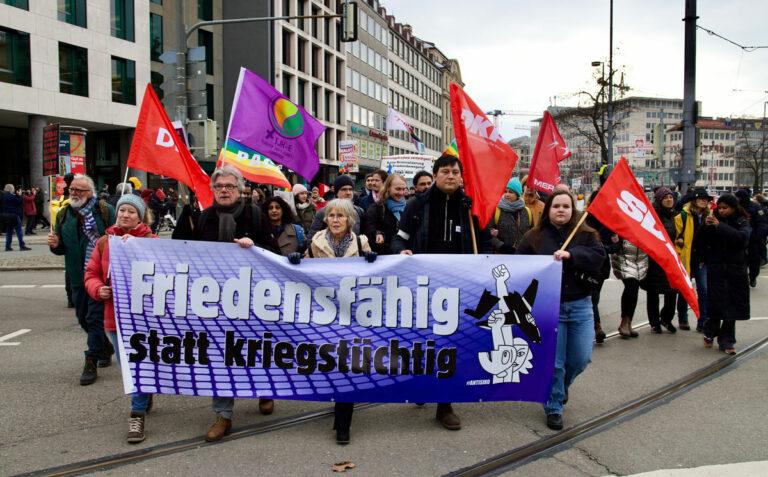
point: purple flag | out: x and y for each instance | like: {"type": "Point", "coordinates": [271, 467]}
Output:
{"type": "Point", "coordinates": [264, 120]}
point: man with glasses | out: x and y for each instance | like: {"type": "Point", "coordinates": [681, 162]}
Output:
{"type": "Point", "coordinates": [78, 226]}
{"type": "Point", "coordinates": [230, 220]}
{"type": "Point", "coordinates": [437, 221]}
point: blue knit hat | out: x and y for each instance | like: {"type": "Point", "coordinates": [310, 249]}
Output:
{"type": "Point", "coordinates": [515, 186]}
{"type": "Point", "coordinates": [133, 200]}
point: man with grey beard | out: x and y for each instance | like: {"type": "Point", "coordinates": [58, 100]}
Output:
{"type": "Point", "coordinates": [78, 226]}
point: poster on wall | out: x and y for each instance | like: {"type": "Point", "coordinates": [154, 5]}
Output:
{"type": "Point", "coordinates": [51, 150]}
{"type": "Point", "coordinates": [348, 157]}
{"type": "Point", "coordinates": [77, 153]}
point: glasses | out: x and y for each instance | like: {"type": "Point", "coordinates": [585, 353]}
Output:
{"type": "Point", "coordinates": [73, 190]}
{"type": "Point", "coordinates": [228, 187]}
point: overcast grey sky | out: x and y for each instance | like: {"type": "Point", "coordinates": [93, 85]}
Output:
{"type": "Point", "coordinates": [517, 54]}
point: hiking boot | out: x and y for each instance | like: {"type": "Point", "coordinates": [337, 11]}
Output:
{"type": "Point", "coordinates": [555, 421]}
{"type": "Point", "coordinates": [447, 418]}
{"type": "Point", "coordinates": [656, 330]}
{"type": "Point", "coordinates": [89, 372]}
{"type": "Point", "coordinates": [106, 361]}
{"type": "Point", "coordinates": [219, 429]}
{"type": "Point", "coordinates": [599, 333]}
{"type": "Point", "coordinates": [266, 406]}
{"type": "Point", "coordinates": [684, 326]}
{"type": "Point", "coordinates": [24, 248]}
{"type": "Point", "coordinates": [135, 428]}
{"type": "Point", "coordinates": [753, 282]}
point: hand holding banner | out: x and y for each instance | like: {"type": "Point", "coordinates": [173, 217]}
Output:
{"type": "Point", "coordinates": [622, 206]}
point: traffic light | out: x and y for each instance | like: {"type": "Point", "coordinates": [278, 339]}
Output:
{"type": "Point", "coordinates": [349, 21]}
{"type": "Point", "coordinates": [172, 86]}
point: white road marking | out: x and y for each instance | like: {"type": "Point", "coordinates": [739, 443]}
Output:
{"type": "Point", "coordinates": [759, 318]}
{"type": "Point", "coordinates": [18, 286]}
{"type": "Point", "coordinates": [3, 339]}
{"type": "Point", "coordinates": [51, 286]}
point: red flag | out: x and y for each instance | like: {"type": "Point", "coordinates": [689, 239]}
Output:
{"type": "Point", "coordinates": [488, 161]}
{"type": "Point", "coordinates": [157, 148]}
{"type": "Point", "coordinates": [622, 206]}
{"type": "Point", "coordinates": [544, 173]}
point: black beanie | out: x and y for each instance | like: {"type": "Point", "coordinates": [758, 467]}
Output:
{"type": "Point", "coordinates": [342, 181]}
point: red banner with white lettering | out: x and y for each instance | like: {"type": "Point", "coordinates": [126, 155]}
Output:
{"type": "Point", "coordinates": [621, 205]}
{"type": "Point", "coordinates": [487, 159]}
{"type": "Point", "coordinates": [157, 148]}
{"type": "Point", "coordinates": [550, 150]}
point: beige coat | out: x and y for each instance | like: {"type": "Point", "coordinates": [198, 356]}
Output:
{"type": "Point", "coordinates": [322, 249]}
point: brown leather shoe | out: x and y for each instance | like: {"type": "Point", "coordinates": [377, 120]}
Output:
{"type": "Point", "coordinates": [625, 327]}
{"type": "Point", "coordinates": [266, 406]}
{"type": "Point", "coordinates": [219, 429]}
{"type": "Point", "coordinates": [447, 418]}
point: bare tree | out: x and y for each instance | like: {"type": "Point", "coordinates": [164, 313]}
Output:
{"type": "Point", "coordinates": [589, 119]}
{"type": "Point", "coordinates": [751, 152]}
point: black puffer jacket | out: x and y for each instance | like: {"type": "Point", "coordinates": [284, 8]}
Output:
{"type": "Point", "coordinates": [379, 219]}
{"type": "Point", "coordinates": [656, 279]}
{"type": "Point", "coordinates": [724, 250]}
{"type": "Point", "coordinates": [587, 255]}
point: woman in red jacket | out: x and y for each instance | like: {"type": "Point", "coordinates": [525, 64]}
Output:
{"type": "Point", "coordinates": [132, 221]}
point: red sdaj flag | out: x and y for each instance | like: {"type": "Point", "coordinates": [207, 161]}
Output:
{"type": "Point", "coordinates": [157, 148]}
{"type": "Point", "coordinates": [487, 159]}
{"type": "Point", "coordinates": [550, 150]}
{"type": "Point", "coordinates": [622, 206]}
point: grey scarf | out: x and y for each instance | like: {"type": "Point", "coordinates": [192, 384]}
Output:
{"type": "Point", "coordinates": [511, 206]}
{"type": "Point", "coordinates": [227, 220]}
{"type": "Point", "coordinates": [340, 248]}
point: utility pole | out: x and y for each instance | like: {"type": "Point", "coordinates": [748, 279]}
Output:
{"type": "Point", "coordinates": [610, 88]}
{"type": "Point", "coordinates": [688, 168]}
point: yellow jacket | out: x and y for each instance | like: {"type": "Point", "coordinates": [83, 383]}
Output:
{"type": "Point", "coordinates": [684, 231]}
{"type": "Point", "coordinates": [56, 205]}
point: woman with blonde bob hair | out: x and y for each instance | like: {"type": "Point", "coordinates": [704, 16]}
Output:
{"type": "Point", "coordinates": [337, 241]}
{"type": "Point", "coordinates": [382, 216]}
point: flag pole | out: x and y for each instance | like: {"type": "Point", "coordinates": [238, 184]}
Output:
{"type": "Point", "coordinates": [575, 229]}
{"type": "Point", "coordinates": [125, 179]}
{"type": "Point", "coordinates": [472, 232]}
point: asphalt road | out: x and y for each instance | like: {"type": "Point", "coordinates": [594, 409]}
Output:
{"type": "Point", "coordinates": [48, 419]}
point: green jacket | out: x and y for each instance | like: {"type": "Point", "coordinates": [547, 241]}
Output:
{"type": "Point", "coordinates": [73, 243]}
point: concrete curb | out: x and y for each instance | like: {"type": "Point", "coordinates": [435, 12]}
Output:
{"type": "Point", "coordinates": [27, 268]}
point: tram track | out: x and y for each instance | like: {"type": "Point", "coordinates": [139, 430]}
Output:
{"type": "Point", "coordinates": [491, 466]}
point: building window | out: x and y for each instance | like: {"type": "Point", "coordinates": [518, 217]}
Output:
{"type": "Point", "coordinates": [123, 80]}
{"type": "Point", "coordinates": [205, 9]}
{"type": "Point", "coordinates": [23, 4]}
{"type": "Point", "coordinates": [156, 2]}
{"type": "Point", "coordinates": [155, 36]}
{"type": "Point", "coordinates": [122, 19]}
{"type": "Point", "coordinates": [14, 57]}
{"type": "Point", "coordinates": [205, 39]}
{"type": "Point", "coordinates": [73, 69]}
{"type": "Point", "coordinates": [72, 12]}
{"type": "Point", "coordinates": [157, 83]}
{"type": "Point", "coordinates": [209, 100]}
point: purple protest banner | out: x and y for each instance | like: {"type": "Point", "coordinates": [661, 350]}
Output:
{"type": "Point", "coordinates": [213, 319]}
{"type": "Point", "coordinates": [264, 120]}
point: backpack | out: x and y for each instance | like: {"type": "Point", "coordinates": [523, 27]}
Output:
{"type": "Point", "coordinates": [528, 210]}
{"type": "Point", "coordinates": [299, 235]}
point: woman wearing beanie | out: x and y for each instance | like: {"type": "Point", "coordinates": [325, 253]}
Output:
{"type": "Point", "coordinates": [723, 243]}
{"type": "Point", "coordinates": [655, 282]}
{"type": "Point", "coordinates": [133, 219]}
{"type": "Point", "coordinates": [305, 209]}
{"type": "Point", "coordinates": [511, 220]}
{"type": "Point", "coordinates": [382, 216]}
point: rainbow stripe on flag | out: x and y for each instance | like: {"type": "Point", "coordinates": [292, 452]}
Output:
{"type": "Point", "coordinates": [452, 150]}
{"type": "Point", "coordinates": [253, 166]}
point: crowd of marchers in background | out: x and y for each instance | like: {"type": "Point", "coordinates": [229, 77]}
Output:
{"type": "Point", "coordinates": [721, 242]}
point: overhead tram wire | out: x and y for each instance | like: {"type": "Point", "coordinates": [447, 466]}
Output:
{"type": "Point", "coordinates": [748, 49]}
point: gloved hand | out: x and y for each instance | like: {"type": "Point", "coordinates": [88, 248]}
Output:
{"type": "Point", "coordinates": [370, 257]}
{"type": "Point", "coordinates": [294, 258]}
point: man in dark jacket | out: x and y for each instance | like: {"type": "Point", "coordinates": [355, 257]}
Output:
{"type": "Point", "coordinates": [758, 221]}
{"type": "Point", "coordinates": [229, 220]}
{"type": "Point", "coordinates": [10, 216]}
{"type": "Point", "coordinates": [437, 221]}
{"type": "Point", "coordinates": [78, 226]}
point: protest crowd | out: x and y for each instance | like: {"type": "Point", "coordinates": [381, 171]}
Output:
{"type": "Point", "coordinates": [721, 244]}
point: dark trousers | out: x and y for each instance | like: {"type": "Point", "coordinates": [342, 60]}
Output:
{"type": "Point", "coordinates": [754, 266]}
{"type": "Point", "coordinates": [90, 316]}
{"type": "Point", "coordinates": [10, 229]}
{"type": "Point", "coordinates": [629, 297]}
{"type": "Point", "coordinates": [42, 220]}
{"type": "Point", "coordinates": [667, 312]}
{"type": "Point", "coordinates": [596, 302]}
{"type": "Point", "coordinates": [342, 415]}
{"type": "Point", "coordinates": [31, 223]}
{"type": "Point", "coordinates": [723, 330]}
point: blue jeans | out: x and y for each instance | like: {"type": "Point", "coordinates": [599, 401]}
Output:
{"type": "Point", "coordinates": [139, 401]}
{"type": "Point", "coordinates": [9, 230]}
{"type": "Point", "coordinates": [575, 333]}
{"type": "Point", "coordinates": [699, 275]}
